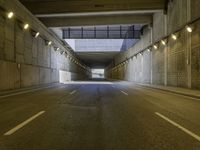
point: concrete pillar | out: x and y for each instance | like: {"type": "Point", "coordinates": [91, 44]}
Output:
{"type": "Point", "coordinates": [142, 63]}
{"type": "Point", "coordinates": [189, 44]}
{"type": "Point", "coordinates": [165, 52]}
{"type": "Point", "coordinates": [151, 56]}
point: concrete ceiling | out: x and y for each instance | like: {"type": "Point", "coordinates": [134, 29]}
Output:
{"type": "Point", "coordinates": [68, 13]}
{"type": "Point", "coordinates": [96, 20]}
{"type": "Point", "coordinates": [85, 6]}
{"type": "Point", "coordinates": [59, 13]}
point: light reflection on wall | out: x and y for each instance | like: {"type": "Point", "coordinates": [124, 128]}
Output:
{"type": "Point", "coordinates": [64, 76]}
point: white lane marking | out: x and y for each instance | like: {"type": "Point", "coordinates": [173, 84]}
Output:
{"type": "Point", "coordinates": [21, 125]}
{"type": "Point", "coordinates": [73, 92]}
{"type": "Point", "coordinates": [124, 93]}
{"type": "Point", "coordinates": [179, 126]}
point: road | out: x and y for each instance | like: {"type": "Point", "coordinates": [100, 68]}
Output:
{"type": "Point", "coordinates": [99, 116]}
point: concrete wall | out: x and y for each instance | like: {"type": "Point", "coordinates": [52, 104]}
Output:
{"type": "Point", "coordinates": [178, 63]}
{"type": "Point", "coordinates": [25, 60]}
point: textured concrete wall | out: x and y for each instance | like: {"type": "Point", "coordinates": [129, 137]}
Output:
{"type": "Point", "coordinates": [158, 66]}
{"type": "Point", "coordinates": [195, 56]}
{"type": "Point", "coordinates": [25, 60]}
{"type": "Point", "coordinates": [178, 63]}
{"type": "Point", "coordinates": [146, 67]}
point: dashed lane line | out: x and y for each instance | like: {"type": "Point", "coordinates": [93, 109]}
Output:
{"type": "Point", "coordinates": [124, 93]}
{"type": "Point", "coordinates": [21, 125]}
{"type": "Point", "coordinates": [179, 126]}
{"type": "Point", "coordinates": [73, 92]}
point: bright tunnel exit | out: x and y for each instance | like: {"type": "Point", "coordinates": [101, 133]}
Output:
{"type": "Point", "coordinates": [98, 74]}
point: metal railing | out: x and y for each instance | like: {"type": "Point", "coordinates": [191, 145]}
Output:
{"type": "Point", "coordinates": [106, 32]}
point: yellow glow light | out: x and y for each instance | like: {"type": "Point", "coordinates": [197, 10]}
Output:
{"type": "Point", "coordinates": [189, 29]}
{"type": "Point", "coordinates": [49, 43]}
{"type": "Point", "coordinates": [37, 34]}
{"type": "Point", "coordinates": [174, 37]}
{"type": "Point", "coordinates": [26, 26]}
{"type": "Point", "coordinates": [10, 15]}
{"type": "Point", "coordinates": [155, 47]}
{"type": "Point", "coordinates": [163, 42]}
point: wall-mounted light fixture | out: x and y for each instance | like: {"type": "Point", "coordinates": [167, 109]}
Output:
{"type": "Point", "coordinates": [26, 26]}
{"type": "Point", "coordinates": [67, 56]}
{"type": "Point", "coordinates": [163, 42]}
{"type": "Point", "coordinates": [155, 46]}
{"type": "Point", "coordinates": [174, 36]}
{"type": "Point", "coordinates": [49, 43]}
{"type": "Point", "coordinates": [10, 15]}
{"type": "Point", "coordinates": [37, 34]}
{"type": "Point", "coordinates": [189, 28]}
{"type": "Point", "coordinates": [61, 52]}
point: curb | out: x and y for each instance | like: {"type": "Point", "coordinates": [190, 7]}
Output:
{"type": "Point", "coordinates": [171, 91]}
{"type": "Point", "coordinates": [10, 93]}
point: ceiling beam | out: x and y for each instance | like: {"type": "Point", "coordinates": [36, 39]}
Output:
{"type": "Point", "coordinates": [81, 6]}
{"type": "Point", "coordinates": [96, 20]}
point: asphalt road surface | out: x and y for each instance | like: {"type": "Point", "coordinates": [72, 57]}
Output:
{"type": "Point", "coordinates": [99, 116]}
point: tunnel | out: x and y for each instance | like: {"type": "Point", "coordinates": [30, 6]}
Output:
{"type": "Point", "coordinates": [99, 75]}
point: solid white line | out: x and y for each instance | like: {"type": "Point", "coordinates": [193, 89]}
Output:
{"type": "Point", "coordinates": [179, 126]}
{"type": "Point", "coordinates": [124, 93]}
{"type": "Point", "coordinates": [23, 123]}
{"type": "Point", "coordinates": [73, 92]}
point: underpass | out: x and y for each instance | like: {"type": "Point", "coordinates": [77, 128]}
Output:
{"type": "Point", "coordinates": [103, 75]}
